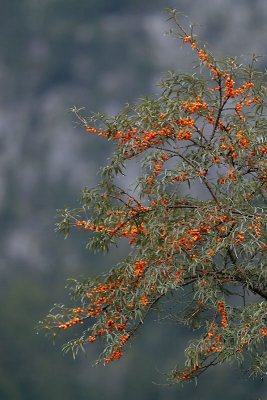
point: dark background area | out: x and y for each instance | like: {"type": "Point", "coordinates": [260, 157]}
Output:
{"type": "Point", "coordinates": [98, 54]}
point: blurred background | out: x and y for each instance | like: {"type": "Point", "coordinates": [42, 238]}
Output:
{"type": "Point", "coordinates": [98, 54]}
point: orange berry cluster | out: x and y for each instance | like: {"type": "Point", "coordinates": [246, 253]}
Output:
{"type": "Point", "coordinates": [139, 268]}
{"type": "Point", "coordinates": [183, 134]}
{"type": "Point", "coordinates": [110, 326]}
{"type": "Point", "coordinates": [139, 141]}
{"type": "Point", "coordinates": [158, 163]}
{"type": "Point", "coordinates": [115, 355]}
{"type": "Point", "coordinates": [231, 92]}
{"type": "Point", "coordinates": [133, 231]}
{"type": "Point", "coordinates": [262, 150]}
{"type": "Point", "coordinates": [242, 140]}
{"type": "Point", "coordinates": [69, 323]}
{"type": "Point", "coordinates": [216, 159]}
{"type": "Point", "coordinates": [239, 106]}
{"type": "Point", "coordinates": [214, 340]}
{"type": "Point", "coordinates": [203, 56]}
{"type": "Point", "coordinates": [187, 121]}
{"type": "Point", "coordinates": [229, 85]}
{"type": "Point", "coordinates": [182, 177]}
{"type": "Point", "coordinates": [90, 227]}
{"type": "Point", "coordinates": [128, 231]}
{"type": "Point", "coordinates": [240, 237]}
{"type": "Point", "coordinates": [189, 39]}
{"type": "Point", "coordinates": [187, 373]}
{"type": "Point", "coordinates": [226, 146]}
{"type": "Point", "coordinates": [231, 175]}
{"type": "Point", "coordinates": [144, 300]}
{"type": "Point", "coordinates": [193, 106]}
{"type": "Point", "coordinates": [222, 311]}
{"type": "Point", "coordinates": [257, 228]}
{"type": "Point", "coordinates": [190, 239]}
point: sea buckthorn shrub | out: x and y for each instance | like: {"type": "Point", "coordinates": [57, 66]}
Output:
{"type": "Point", "coordinates": [207, 257]}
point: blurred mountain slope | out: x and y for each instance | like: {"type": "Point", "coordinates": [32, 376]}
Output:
{"type": "Point", "coordinates": [99, 54]}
